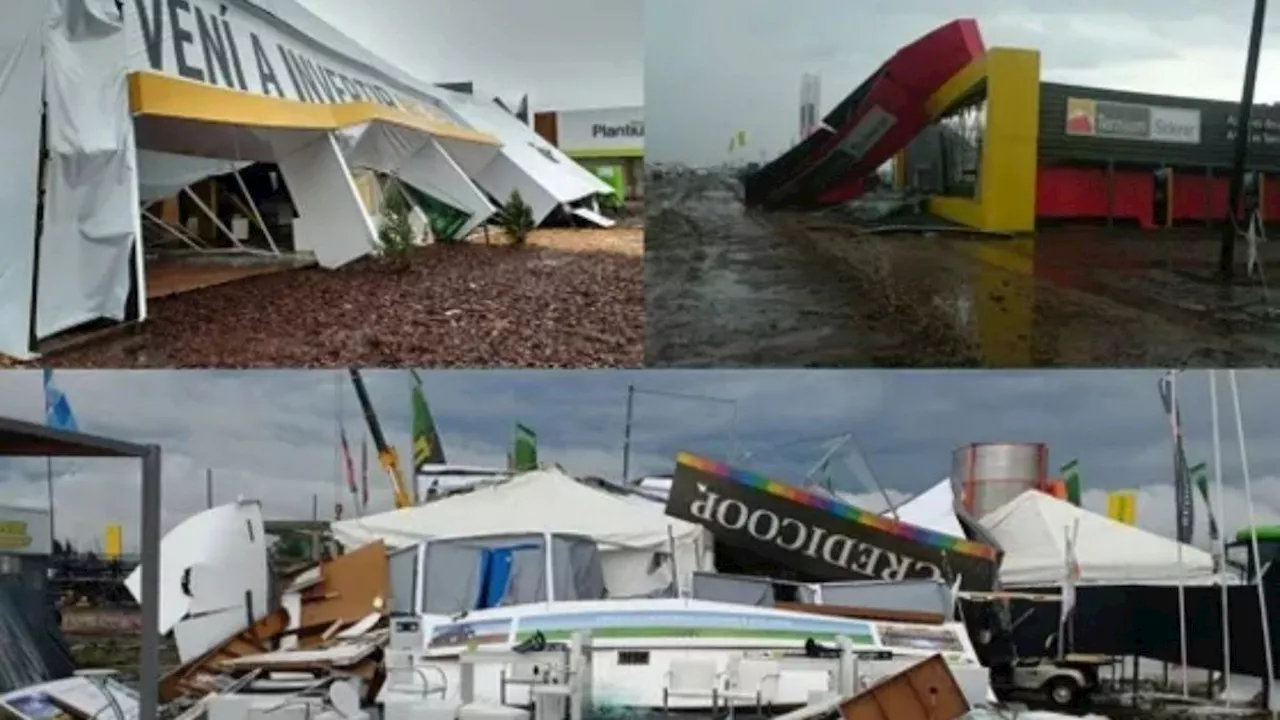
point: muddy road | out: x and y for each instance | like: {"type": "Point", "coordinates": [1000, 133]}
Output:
{"type": "Point", "coordinates": [723, 288]}
{"type": "Point", "coordinates": [730, 287]}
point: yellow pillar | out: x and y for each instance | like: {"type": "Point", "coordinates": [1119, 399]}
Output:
{"type": "Point", "coordinates": [1007, 177]}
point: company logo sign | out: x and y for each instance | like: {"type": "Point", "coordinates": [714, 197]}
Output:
{"type": "Point", "coordinates": [1126, 121]}
{"type": "Point", "coordinates": [601, 131]}
{"type": "Point", "coordinates": [783, 527]}
{"type": "Point", "coordinates": [634, 129]}
{"type": "Point", "coordinates": [544, 152]}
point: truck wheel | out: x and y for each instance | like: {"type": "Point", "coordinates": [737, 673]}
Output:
{"type": "Point", "coordinates": [1063, 692]}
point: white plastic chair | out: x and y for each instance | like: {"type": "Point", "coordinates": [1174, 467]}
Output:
{"type": "Point", "coordinates": [692, 679]}
{"type": "Point", "coordinates": [753, 680]}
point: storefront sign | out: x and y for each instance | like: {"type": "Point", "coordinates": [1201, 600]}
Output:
{"type": "Point", "coordinates": [1126, 121]}
{"type": "Point", "coordinates": [600, 132]}
{"type": "Point", "coordinates": [1263, 130]}
{"type": "Point", "coordinates": [225, 44]}
{"type": "Point", "coordinates": [820, 537]}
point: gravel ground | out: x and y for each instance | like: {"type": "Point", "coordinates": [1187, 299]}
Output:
{"type": "Point", "coordinates": [569, 298]}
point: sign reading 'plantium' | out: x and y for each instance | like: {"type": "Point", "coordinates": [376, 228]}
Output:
{"type": "Point", "coordinates": [820, 537]}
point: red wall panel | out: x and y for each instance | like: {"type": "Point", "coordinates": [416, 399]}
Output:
{"type": "Point", "coordinates": [1076, 192]}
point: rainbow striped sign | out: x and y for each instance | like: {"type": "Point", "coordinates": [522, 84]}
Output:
{"type": "Point", "coordinates": [832, 506]}
{"type": "Point", "coordinates": [819, 536]}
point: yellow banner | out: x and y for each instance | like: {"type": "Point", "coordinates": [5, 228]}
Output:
{"type": "Point", "coordinates": [113, 545]}
{"type": "Point", "coordinates": [1122, 506]}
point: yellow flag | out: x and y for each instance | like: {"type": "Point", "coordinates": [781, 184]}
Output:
{"type": "Point", "coordinates": [742, 138]}
{"type": "Point", "coordinates": [1122, 506]}
{"type": "Point", "coordinates": [113, 547]}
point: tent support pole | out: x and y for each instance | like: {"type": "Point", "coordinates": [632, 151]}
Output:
{"type": "Point", "coordinates": [253, 209]}
{"type": "Point", "coordinates": [209, 213]}
{"type": "Point", "coordinates": [1222, 538]}
{"type": "Point", "coordinates": [1269, 683]}
{"type": "Point", "coordinates": [181, 234]}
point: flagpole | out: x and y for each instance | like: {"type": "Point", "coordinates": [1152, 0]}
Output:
{"type": "Point", "coordinates": [1178, 464]}
{"type": "Point", "coordinates": [337, 440]}
{"type": "Point", "coordinates": [1067, 588]}
{"type": "Point", "coordinates": [48, 477]}
{"type": "Point", "coordinates": [1253, 542]}
{"type": "Point", "coordinates": [1221, 549]}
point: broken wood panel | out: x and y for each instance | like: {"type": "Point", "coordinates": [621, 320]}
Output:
{"type": "Point", "coordinates": [924, 691]}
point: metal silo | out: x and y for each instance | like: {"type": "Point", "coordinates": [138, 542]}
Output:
{"type": "Point", "coordinates": [988, 475]}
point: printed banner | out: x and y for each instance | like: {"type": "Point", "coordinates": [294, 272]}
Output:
{"type": "Point", "coordinates": [822, 538]}
{"type": "Point", "coordinates": [235, 46]}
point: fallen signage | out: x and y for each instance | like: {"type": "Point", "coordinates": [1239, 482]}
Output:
{"type": "Point", "coordinates": [820, 537]}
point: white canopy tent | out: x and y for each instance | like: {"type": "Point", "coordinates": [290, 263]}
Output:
{"type": "Point", "coordinates": [1032, 528]}
{"type": "Point", "coordinates": [628, 534]}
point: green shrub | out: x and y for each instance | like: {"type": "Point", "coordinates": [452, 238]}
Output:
{"type": "Point", "coordinates": [516, 219]}
{"type": "Point", "coordinates": [612, 205]}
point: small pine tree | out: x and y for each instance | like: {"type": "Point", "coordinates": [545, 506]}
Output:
{"type": "Point", "coordinates": [612, 205]}
{"type": "Point", "coordinates": [396, 231]}
{"type": "Point", "coordinates": [517, 219]}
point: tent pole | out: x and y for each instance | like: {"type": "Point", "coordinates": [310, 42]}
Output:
{"type": "Point", "coordinates": [1182, 585]}
{"type": "Point", "coordinates": [253, 209]}
{"type": "Point", "coordinates": [1222, 538]}
{"type": "Point", "coordinates": [183, 236]}
{"type": "Point", "coordinates": [217, 222]}
{"type": "Point", "coordinates": [1253, 544]}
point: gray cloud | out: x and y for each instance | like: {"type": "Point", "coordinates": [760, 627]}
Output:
{"type": "Point", "coordinates": [567, 54]}
{"type": "Point", "coordinates": [720, 66]}
{"type": "Point", "coordinates": [272, 434]}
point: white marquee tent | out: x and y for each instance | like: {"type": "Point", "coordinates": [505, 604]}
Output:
{"type": "Point", "coordinates": [628, 533]}
{"type": "Point", "coordinates": [126, 101]}
{"type": "Point", "coordinates": [1032, 528]}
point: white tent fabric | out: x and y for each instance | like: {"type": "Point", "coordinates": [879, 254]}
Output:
{"type": "Point", "coordinates": [549, 501]}
{"type": "Point", "coordinates": [21, 76]}
{"type": "Point", "coordinates": [934, 509]}
{"type": "Point", "coordinates": [544, 176]}
{"type": "Point", "coordinates": [1032, 530]}
{"type": "Point", "coordinates": [91, 220]}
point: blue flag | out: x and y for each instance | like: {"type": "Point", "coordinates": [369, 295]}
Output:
{"type": "Point", "coordinates": [57, 409]}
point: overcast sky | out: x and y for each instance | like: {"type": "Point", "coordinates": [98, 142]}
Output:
{"type": "Point", "coordinates": [271, 434]}
{"type": "Point", "coordinates": [718, 66]}
{"type": "Point", "coordinates": [567, 54]}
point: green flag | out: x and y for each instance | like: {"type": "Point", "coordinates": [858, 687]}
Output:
{"type": "Point", "coordinates": [427, 449]}
{"type": "Point", "coordinates": [1200, 478]}
{"type": "Point", "coordinates": [524, 455]}
{"type": "Point", "coordinates": [1071, 479]}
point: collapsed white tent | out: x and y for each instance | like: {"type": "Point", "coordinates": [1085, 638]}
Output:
{"type": "Point", "coordinates": [934, 509]}
{"type": "Point", "coordinates": [629, 534]}
{"type": "Point", "coordinates": [1032, 528]}
{"type": "Point", "coordinates": [548, 178]}
{"type": "Point", "coordinates": [72, 196]}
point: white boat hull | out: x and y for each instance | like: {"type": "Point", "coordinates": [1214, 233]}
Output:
{"type": "Point", "coordinates": [634, 642]}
